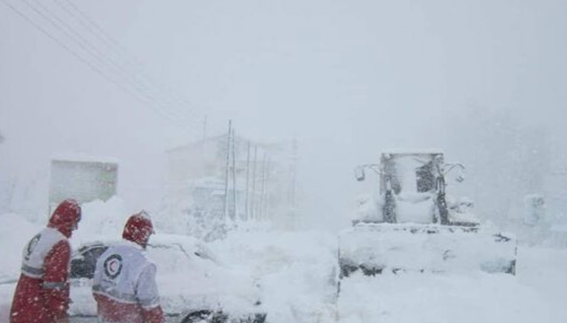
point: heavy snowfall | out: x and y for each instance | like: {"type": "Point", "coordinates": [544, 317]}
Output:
{"type": "Point", "coordinates": [301, 161]}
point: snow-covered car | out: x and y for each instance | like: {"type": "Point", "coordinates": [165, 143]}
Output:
{"type": "Point", "coordinates": [194, 285]}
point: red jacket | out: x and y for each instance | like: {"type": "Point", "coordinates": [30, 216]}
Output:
{"type": "Point", "coordinates": [42, 296]}
{"type": "Point", "coordinates": [42, 293]}
{"type": "Point", "coordinates": [110, 310]}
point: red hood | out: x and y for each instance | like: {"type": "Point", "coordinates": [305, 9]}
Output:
{"type": "Point", "coordinates": [138, 229]}
{"type": "Point", "coordinates": [66, 217]}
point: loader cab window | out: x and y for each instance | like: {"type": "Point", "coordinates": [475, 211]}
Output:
{"type": "Point", "coordinates": [425, 178]}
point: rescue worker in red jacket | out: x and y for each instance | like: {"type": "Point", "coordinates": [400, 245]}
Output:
{"type": "Point", "coordinates": [124, 283]}
{"type": "Point", "coordinates": [42, 292]}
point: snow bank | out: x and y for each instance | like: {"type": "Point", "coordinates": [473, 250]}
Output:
{"type": "Point", "coordinates": [101, 221]}
{"type": "Point", "coordinates": [537, 294]}
{"type": "Point", "coordinates": [297, 271]}
{"type": "Point", "coordinates": [428, 298]}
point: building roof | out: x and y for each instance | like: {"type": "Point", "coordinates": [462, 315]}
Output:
{"type": "Point", "coordinates": [84, 158]}
{"type": "Point", "coordinates": [222, 137]}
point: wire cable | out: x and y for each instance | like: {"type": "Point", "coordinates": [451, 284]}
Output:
{"type": "Point", "coordinates": [90, 25]}
{"type": "Point", "coordinates": [143, 98]}
{"type": "Point", "coordinates": [98, 55]}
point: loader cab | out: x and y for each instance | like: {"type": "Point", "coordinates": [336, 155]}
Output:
{"type": "Point", "coordinates": [412, 188]}
{"type": "Point", "coordinates": [410, 172]}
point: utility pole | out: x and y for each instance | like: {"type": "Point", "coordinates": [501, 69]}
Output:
{"type": "Point", "coordinates": [293, 173]}
{"type": "Point", "coordinates": [253, 200]}
{"type": "Point", "coordinates": [246, 209]}
{"type": "Point", "coordinates": [234, 212]}
{"type": "Point", "coordinates": [263, 187]}
{"type": "Point", "coordinates": [292, 212]}
{"type": "Point", "coordinates": [227, 166]}
{"type": "Point", "coordinates": [267, 192]}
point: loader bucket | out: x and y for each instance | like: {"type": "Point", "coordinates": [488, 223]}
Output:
{"type": "Point", "coordinates": [374, 248]}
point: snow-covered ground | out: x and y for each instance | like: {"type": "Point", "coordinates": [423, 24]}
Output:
{"type": "Point", "coordinates": [297, 273]}
{"type": "Point", "coordinates": [536, 294]}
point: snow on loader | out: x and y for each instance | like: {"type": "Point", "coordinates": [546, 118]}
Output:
{"type": "Point", "coordinates": [413, 226]}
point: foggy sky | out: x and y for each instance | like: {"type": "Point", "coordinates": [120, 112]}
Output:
{"type": "Point", "coordinates": [347, 79]}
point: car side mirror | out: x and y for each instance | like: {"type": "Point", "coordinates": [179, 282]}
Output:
{"type": "Point", "coordinates": [456, 172]}
{"type": "Point", "coordinates": [359, 174]}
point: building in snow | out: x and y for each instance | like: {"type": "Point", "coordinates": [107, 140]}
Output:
{"type": "Point", "coordinates": [83, 178]}
{"type": "Point", "coordinates": [236, 179]}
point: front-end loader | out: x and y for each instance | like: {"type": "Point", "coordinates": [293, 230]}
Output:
{"type": "Point", "coordinates": [412, 225]}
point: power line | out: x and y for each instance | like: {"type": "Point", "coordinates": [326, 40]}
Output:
{"type": "Point", "coordinates": [113, 44]}
{"type": "Point", "coordinates": [60, 43]}
{"type": "Point", "coordinates": [102, 58]}
{"type": "Point", "coordinates": [139, 96]}
{"type": "Point", "coordinates": [136, 92]}
{"type": "Point", "coordinates": [106, 38]}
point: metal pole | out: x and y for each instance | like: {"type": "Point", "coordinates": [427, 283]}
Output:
{"type": "Point", "coordinates": [234, 212]}
{"type": "Point", "coordinates": [267, 190]}
{"type": "Point", "coordinates": [294, 176]}
{"type": "Point", "coordinates": [253, 200]}
{"type": "Point", "coordinates": [227, 165]}
{"type": "Point", "coordinates": [263, 186]}
{"type": "Point", "coordinates": [246, 210]}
